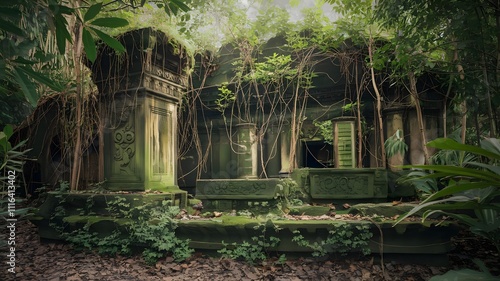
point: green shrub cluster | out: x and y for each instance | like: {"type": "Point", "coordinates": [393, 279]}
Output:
{"type": "Point", "coordinates": [150, 230]}
{"type": "Point", "coordinates": [343, 238]}
{"type": "Point", "coordinates": [255, 251]}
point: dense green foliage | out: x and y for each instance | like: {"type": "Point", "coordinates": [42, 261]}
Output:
{"type": "Point", "coordinates": [253, 251]}
{"type": "Point", "coordinates": [149, 229]}
{"type": "Point", "coordinates": [11, 163]}
{"type": "Point", "coordinates": [473, 187]}
{"type": "Point", "coordinates": [343, 238]}
{"type": "Point", "coordinates": [459, 41]}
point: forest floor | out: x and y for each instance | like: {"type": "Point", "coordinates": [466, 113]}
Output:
{"type": "Point", "coordinates": [57, 262]}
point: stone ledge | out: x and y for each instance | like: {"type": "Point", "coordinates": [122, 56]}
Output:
{"type": "Point", "coordinates": [244, 189]}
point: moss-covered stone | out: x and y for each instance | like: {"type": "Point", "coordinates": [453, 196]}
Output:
{"type": "Point", "coordinates": [343, 184]}
{"type": "Point", "coordinates": [61, 208]}
{"type": "Point", "coordinates": [382, 209]}
{"type": "Point", "coordinates": [309, 210]}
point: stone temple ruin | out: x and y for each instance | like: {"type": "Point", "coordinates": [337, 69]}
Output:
{"type": "Point", "coordinates": [144, 96]}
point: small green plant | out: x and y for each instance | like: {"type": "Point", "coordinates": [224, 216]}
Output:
{"type": "Point", "coordinates": [343, 238]}
{"type": "Point", "coordinates": [350, 107]}
{"type": "Point", "coordinates": [63, 186]}
{"type": "Point", "coordinates": [395, 144]}
{"type": "Point", "coordinates": [118, 206]}
{"type": "Point", "coordinates": [289, 194]}
{"type": "Point", "coordinates": [114, 244]}
{"type": "Point", "coordinates": [156, 231]}
{"type": "Point", "coordinates": [226, 98]}
{"type": "Point", "coordinates": [420, 180]}
{"type": "Point", "coordinates": [151, 228]}
{"type": "Point", "coordinates": [326, 130]}
{"type": "Point", "coordinates": [256, 250]}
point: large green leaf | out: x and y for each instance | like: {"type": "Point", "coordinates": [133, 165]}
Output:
{"type": "Point", "coordinates": [180, 4]}
{"type": "Point", "coordinates": [489, 215]}
{"type": "Point", "coordinates": [8, 131]}
{"type": "Point", "coordinates": [465, 275]}
{"type": "Point", "coordinates": [110, 22]}
{"type": "Point", "coordinates": [89, 45]}
{"type": "Point", "coordinates": [110, 41]}
{"type": "Point", "coordinates": [426, 205]}
{"type": "Point", "coordinates": [461, 172]}
{"type": "Point", "coordinates": [4, 143]}
{"type": "Point", "coordinates": [446, 143]}
{"type": "Point", "coordinates": [468, 220]}
{"type": "Point", "coordinates": [92, 12]}
{"type": "Point", "coordinates": [493, 168]}
{"type": "Point", "coordinates": [491, 144]}
{"type": "Point", "coordinates": [26, 85]}
{"type": "Point", "coordinates": [60, 9]}
{"type": "Point", "coordinates": [10, 12]}
{"type": "Point", "coordinates": [41, 78]}
{"type": "Point", "coordinates": [457, 188]}
{"type": "Point", "coordinates": [10, 27]}
{"type": "Point", "coordinates": [62, 33]}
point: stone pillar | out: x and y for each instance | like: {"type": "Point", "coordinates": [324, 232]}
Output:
{"type": "Point", "coordinates": [344, 142]}
{"type": "Point", "coordinates": [142, 91]}
{"type": "Point", "coordinates": [432, 129]}
{"type": "Point", "coordinates": [246, 150]}
{"type": "Point", "coordinates": [224, 156]}
{"type": "Point", "coordinates": [415, 147]}
{"type": "Point", "coordinates": [394, 122]}
{"type": "Point", "coordinates": [285, 151]}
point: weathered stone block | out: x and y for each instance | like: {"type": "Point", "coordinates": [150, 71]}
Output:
{"type": "Point", "coordinates": [244, 189]}
{"type": "Point", "coordinates": [343, 183]}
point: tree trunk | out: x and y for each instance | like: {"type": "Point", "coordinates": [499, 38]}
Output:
{"type": "Point", "coordinates": [379, 103]}
{"type": "Point", "coordinates": [101, 143]}
{"type": "Point", "coordinates": [493, 130]}
{"type": "Point", "coordinates": [420, 117]}
{"type": "Point", "coordinates": [77, 152]}
{"type": "Point", "coordinates": [463, 109]}
{"type": "Point", "coordinates": [445, 107]}
{"type": "Point", "coordinates": [359, 91]}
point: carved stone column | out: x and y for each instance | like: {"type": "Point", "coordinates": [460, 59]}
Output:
{"type": "Point", "coordinates": [394, 122]}
{"type": "Point", "coordinates": [285, 151]}
{"type": "Point", "coordinates": [246, 150]}
{"type": "Point", "coordinates": [225, 169]}
{"type": "Point", "coordinates": [415, 147]}
{"type": "Point", "coordinates": [344, 142]}
{"type": "Point", "coordinates": [141, 91]}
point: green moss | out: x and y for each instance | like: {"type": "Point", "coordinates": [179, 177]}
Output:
{"type": "Point", "coordinates": [94, 219]}
{"type": "Point", "coordinates": [310, 210]}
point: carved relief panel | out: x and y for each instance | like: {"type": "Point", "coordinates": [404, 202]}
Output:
{"type": "Point", "coordinates": [341, 186]}
{"type": "Point", "coordinates": [124, 143]}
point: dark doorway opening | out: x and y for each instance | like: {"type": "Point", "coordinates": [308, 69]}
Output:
{"type": "Point", "coordinates": [317, 154]}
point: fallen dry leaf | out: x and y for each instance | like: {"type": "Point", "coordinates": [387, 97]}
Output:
{"type": "Point", "coordinates": [395, 203]}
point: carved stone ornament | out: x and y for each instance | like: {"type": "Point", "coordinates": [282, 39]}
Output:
{"type": "Point", "coordinates": [340, 185]}
{"type": "Point", "coordinates": [124, 138]}
{"type": "Point", "coordinates": [167, 75]}
{"type": "Point", "coordinates": [229, 188]}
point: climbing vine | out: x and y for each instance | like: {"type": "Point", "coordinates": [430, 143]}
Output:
{"type": "Point", "coordinates": [268, 88]}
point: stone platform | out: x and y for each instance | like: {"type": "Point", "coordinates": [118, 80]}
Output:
{"type": "Point", "coordinates": [406, 240]}
{"type": "Point", "coordinates": [73, 210]}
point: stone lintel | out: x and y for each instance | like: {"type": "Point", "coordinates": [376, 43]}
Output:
{"type": "Point", "coordinates": [331, 183]}
{"type": "Point", "coordinates": [244, 189]}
